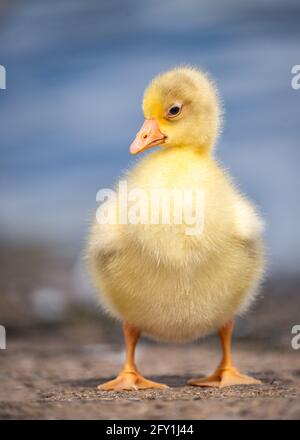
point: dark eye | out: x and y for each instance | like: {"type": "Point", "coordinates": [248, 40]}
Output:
{"type": "Point", "coordinates": [174, 110]}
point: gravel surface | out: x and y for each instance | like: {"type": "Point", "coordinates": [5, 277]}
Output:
{"type": "Point", "coordinates": [53, 374]}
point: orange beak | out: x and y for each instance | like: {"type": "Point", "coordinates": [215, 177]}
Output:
{"type": "Point", "coordinates": [148, 136]}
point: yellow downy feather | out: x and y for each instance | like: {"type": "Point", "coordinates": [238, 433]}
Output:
{"type": "Point", "coordinates": [170, 285]}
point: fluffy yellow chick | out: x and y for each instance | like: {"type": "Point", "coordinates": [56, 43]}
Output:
{"type": "Point", "coordinates": [157, 278]}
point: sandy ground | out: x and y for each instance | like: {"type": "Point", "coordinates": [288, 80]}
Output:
{"type": "Point", "coordinates": [53, 374]}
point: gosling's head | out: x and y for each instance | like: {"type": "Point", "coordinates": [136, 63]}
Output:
{"type": "Point", "coordinates": [181, 109]}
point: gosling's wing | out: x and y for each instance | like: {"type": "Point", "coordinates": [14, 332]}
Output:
{"type": "Point", "coordinates": [248, 223]}
{"type": "Point", "coordinates": [106, 231]}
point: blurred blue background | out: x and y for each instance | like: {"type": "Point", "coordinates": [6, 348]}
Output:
{"type": "Point", "coordinates": [76, 72]}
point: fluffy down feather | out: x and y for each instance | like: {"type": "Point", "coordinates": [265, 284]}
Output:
{"type": "Point", "coordinates": [170, 285]}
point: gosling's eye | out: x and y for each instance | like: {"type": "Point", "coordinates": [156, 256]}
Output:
{"type": "Point", "coordinates": [174, 110]}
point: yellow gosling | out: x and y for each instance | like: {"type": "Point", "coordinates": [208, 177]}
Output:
{"type": "Point", "coordinates": [157, 279]}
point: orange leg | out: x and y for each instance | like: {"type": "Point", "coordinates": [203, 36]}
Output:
{"type": "Point", "coordinates": [225, 375]}
{"type": "Point", "coordinates": [129, 378]}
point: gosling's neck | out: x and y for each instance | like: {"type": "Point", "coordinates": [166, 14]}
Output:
{"type": "Point", "coordinates": [203, 151]}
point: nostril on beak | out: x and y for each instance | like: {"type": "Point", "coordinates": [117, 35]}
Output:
{"type": "Point", "coordinates": [144, 136]}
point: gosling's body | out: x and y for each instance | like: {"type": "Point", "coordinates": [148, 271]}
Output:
{"type": "Point", "coordinates": [170, 285]}
{"type": "Point", "coordinates": [157, 278]}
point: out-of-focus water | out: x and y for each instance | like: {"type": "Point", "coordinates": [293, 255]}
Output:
{"type": "Point", "coordinates": [76, 71]}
